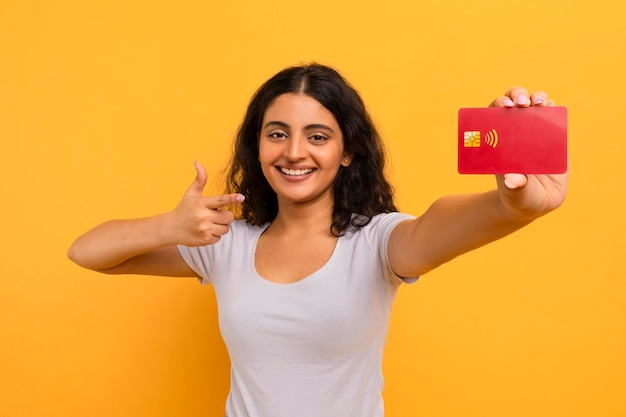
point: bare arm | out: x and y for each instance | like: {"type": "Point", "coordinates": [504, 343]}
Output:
{"type": "Point", "coordinates": [454, 225]}
{"type": "Point", "coordinates": [148, 245]}
{"type": "Point", "coordinates": [138, 246]}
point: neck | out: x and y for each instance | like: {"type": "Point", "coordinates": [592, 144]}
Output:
{"type": "Point", "coordinates": [303, 219]}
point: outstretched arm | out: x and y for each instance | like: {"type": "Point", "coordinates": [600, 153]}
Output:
{"type": "Point", "coordinates": [148, 245]}
{"type": "Point", "coordinates": [457, 224]}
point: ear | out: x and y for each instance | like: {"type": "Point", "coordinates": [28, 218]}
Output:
{"type": "Point", "coordinates": [346, 161]}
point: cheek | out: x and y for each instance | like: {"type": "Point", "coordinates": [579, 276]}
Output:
{"type": "Point", "coordinates": [267, 157]}
{"type": "Point", "coordinates": [264, 153]}
{"type": "Point", "coordinates": [332, 157]}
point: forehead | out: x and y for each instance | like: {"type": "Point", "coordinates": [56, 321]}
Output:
{"type": "Point", "coordinates": [298, 108]}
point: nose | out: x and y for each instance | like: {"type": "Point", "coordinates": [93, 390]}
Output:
{"type": "Point", "coordinates": [295, 148]}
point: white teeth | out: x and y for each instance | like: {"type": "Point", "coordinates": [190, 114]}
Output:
{"type": "Point", "coordinates": [295, 172]}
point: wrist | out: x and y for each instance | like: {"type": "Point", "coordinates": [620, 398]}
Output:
{"type": "Point", "coordinates": [165, 228]}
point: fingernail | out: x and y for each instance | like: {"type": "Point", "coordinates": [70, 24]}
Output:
{"type": "Point", "coordinates": [538, 100]}
{"type": "Point", "coordinates": [509, 185]}
{"type": "Point", "coordinates": [508, 103]}
{"type": "Point", "coordinates": [239, 198]}
{"type": "Point", "coordinates": [522, 99]}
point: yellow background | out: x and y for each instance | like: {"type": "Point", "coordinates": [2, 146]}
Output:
{"type": "Point", "coordinates": [104, 105]}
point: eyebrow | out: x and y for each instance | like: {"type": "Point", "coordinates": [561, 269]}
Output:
{"type": "Point", "coordinates": [307, 127]}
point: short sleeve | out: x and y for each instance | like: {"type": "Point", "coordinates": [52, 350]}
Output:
{"type": "Point", "coordinates": [385, 223]}
{"type": "Point", "coordinates": [199, 259]}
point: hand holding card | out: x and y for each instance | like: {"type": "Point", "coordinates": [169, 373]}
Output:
{"type": "Point", "coordinates": [498, 140]}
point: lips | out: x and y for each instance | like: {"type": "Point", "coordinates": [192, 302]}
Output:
{"type": "Point", "coordinates": [296, 172]}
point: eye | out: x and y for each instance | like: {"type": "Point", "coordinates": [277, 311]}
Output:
{"type": "Point", "coordinates": [277, 135]}
{"type": "Point", "coordinates": [317, 138]}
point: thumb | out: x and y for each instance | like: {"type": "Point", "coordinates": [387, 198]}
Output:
{"type": "Point", "coordinates": [514, 181]}
{"type": "Point", "coordinates": [197, 186]}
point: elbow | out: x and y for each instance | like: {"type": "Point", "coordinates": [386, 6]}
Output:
{"type": "Point", "coordinates": [73, 254]}
{"type": "Point", "coordinates": [76, 255]}
{"type": "Point", "coordinates": [82, 258]}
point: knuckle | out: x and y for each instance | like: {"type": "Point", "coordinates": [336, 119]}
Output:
{"type": "Point", "coordinates": [208, 240]}
{"type": "Point", "coordinates": [228, 216]}
{"type": "Point", "coordinates": [224, 200]}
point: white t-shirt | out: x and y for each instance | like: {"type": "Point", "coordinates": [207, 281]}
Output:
{"type": "Point", "coordinates": [311, 348]}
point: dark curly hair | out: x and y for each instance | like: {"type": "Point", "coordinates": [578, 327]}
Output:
{"type": "Point", "coordinates": [360, 190]}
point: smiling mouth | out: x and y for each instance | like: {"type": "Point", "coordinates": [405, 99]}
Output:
{"type": "Point", "coordinates": [296, 172]}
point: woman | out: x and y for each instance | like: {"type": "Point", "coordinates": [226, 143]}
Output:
{"type": "Point", "coordinates": [306, 275]}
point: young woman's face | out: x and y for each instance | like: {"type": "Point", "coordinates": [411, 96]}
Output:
{"type": "Point", "coordinates": [300, 149]}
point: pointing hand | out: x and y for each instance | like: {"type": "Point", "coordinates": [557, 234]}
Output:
{"type": "Point", "coordinates": [202, 220]}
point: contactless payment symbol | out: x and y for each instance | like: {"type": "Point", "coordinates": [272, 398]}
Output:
{"type": "Point", "coordinates": [491, 138]}
{"type": "Point", "coordinates": [471, 139]}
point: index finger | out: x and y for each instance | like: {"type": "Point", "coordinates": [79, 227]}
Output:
{"type": "Point", "coordinates": [224, 200]}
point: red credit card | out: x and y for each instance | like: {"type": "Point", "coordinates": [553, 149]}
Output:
{"type": "Point", "coordinates": [499, 140]}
